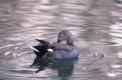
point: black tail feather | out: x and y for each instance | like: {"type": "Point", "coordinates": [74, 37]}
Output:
{"type": "Point", "coordinates": [42, 42]}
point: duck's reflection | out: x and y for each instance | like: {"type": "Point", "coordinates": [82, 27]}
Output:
{"type": "Point", "coordinates": [64, 67]}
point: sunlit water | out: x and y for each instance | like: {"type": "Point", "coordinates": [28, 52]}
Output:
{"type": "Point", "coordinates": [95, 24]}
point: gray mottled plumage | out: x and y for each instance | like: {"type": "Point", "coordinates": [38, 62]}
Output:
{"type": "Point", "coordinates": [60, 50]}
{"type": "Point", "coordinates": [68, 50]}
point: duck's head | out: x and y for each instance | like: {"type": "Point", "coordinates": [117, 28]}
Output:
{"type": "Point", "coordinates": [65, 35]}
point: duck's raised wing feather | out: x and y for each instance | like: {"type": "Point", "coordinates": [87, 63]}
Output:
{"type": "Point", "coordinates": [42, 41]}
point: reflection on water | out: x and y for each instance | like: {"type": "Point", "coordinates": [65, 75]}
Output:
{"type": "Point", "coordinates": [64, 68]}
{"type": "Point", "coordinates": [95, 24]}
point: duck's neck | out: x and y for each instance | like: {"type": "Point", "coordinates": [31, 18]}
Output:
{"type": "Point", "coordinates": [70, 42]}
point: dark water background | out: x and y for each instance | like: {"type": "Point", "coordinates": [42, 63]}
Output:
{"type": "Point", "coordinates": [95, 24]}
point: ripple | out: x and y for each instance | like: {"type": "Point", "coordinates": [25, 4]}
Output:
{"type": "Point", "coordinates": [74, 6]}
{"type": "Point", "coordinates": [24, 20]}
{"type": "Point", "coordinates": [112, 74]}
{"type": "Point", "coordinates": [8, 45]}
{"type": "Point", "coordinates": [116, 66]}
{"type": "Point", "coordinates": [116, 33]}
{"type": "Point", "coordinates": [119, 55]}
{"type": "Point", "coordinates": [7, 53]}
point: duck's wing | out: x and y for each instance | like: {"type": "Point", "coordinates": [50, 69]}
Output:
{"type": "Point", "coordinates": [63, 47]}
{"type": "Point", "coordinates": [42, 41]}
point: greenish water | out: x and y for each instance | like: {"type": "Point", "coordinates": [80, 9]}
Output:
{"type": "Point", "coordinates": [95, 24]}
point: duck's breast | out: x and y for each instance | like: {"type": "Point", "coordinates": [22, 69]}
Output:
{"type": "Point", "coordinates": [74, 52]}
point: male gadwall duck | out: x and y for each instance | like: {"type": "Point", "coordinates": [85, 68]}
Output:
{"type": "Point", "coordinates": [58, 50]}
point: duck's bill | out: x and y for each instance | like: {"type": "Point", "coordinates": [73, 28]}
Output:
{"type": "Point", "coordinates": [59, 41]}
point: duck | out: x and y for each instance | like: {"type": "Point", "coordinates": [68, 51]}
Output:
{"type": "Point", "coordinates": [64, 48]}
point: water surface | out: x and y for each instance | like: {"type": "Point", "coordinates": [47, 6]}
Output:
{"type": "Point", "coordinates": [95, 24]}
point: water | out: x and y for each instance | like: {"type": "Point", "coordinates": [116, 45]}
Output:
{"type": "Point", "coordinates": [95, 24]}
